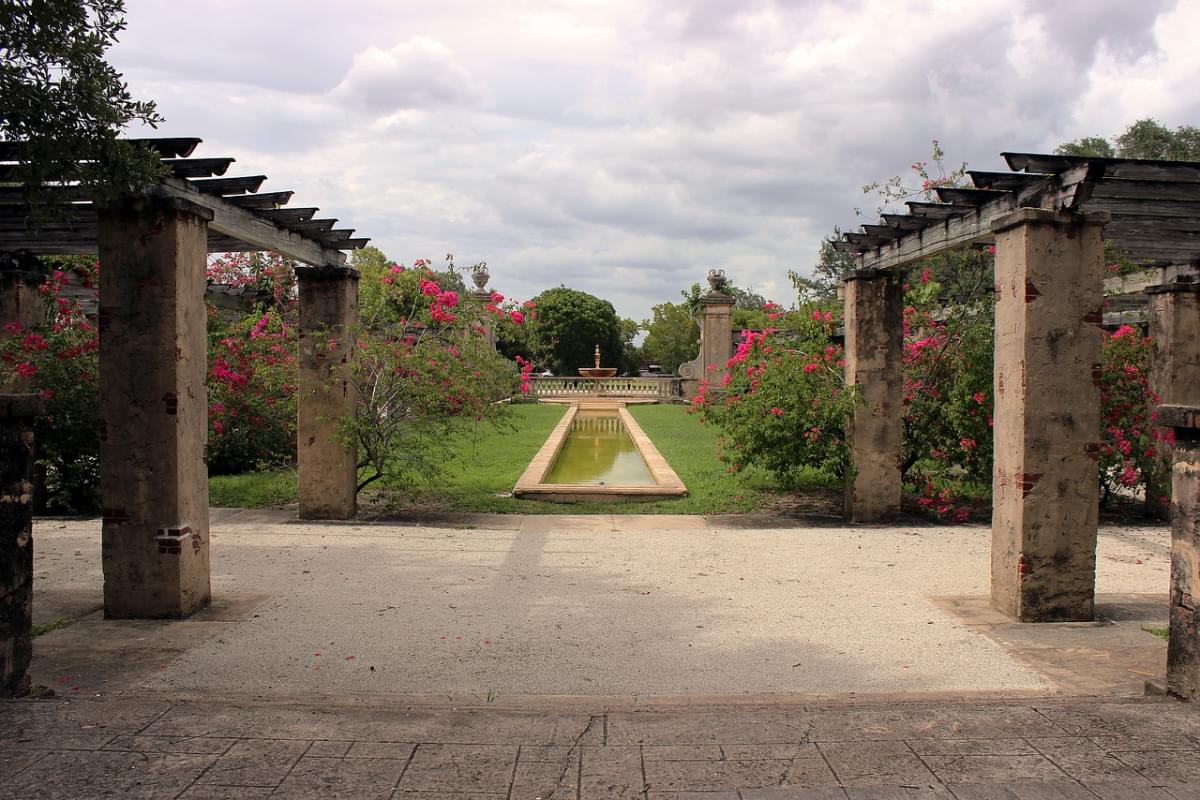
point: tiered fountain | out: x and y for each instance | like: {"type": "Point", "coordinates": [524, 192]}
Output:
{"type": "Point", "coordinates": [597, 371]}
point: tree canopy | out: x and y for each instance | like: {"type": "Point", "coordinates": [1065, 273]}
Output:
{"type": "Point", "coordinates": [569, 326]}
{"type": "Point", "coordinates": [59, 94]}
{"type": "Point", "coordinates": [672, 336]}
{"type": "Point", "coordinates": [1146, 138]}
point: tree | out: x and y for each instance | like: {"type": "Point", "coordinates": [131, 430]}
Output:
{"type": "Point", "coordinates": [1146, 138]}
{"type": "Point", "coordinates": [569, 326]}
{"type": "Point", "coordinates": [827, 273]}
{"type": "Point", "coordinates": [672, 336]}
{"type": "Point", "coordinates": [59, 95]}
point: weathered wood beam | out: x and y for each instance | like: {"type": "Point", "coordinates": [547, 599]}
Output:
{"type": "Point", "coordinates": [311, 226]}
{"type": "Point", "coordinates": [261, 201]}
{"type": "Point", "coordinates": [283, 216]}
{"type": "Point", "coordinates": [334, 237]}
{"type": "Point", "coordinates": [197, 167]}
{"type": "Point", "coordinates": [968, 197]}
{"type": "Point", "coordinates": [1135, 169]}
{"type": "Point", "coordinates": [842, 246]}
{"type": "Point", "coordinates": [937, 211]}
{"type": "Point", "coordinates": [243, 185]}
{"type": "Point", "coordinates": [885, 232]}
{"type": "Point", "coordinates": [1004, 181]}
{"type": "Point", "coordinates": [906, 222]}
{"type": "Point", "coordinates": [1156, 190]}
{"type": "Point", "coordinates": [167, 147]}
{"type": "Point", "coordinates": [864, 240]}
{"type": "Point", "coordinates": [354, 244]}
{"type": "Point", "coordinates": [238, 223]}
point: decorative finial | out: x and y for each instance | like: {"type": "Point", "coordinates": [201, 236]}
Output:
{"type": "Point", "coordinates": [717, 280]}
{"type": "Point", "coordinates": [480, 275]}
{"type": "Point", "coordinates": [597, 356]}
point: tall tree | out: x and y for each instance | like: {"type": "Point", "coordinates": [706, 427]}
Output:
{"type": "Point", "coordinates": [827, 272]}
{"type": "Point", "coordinates": [58, 94]}
{"type": "Point", "coordinates": [570, 324]}
{"type": "Point", "coordinates": [1146, 138]}
{"type": "Point", "coordinates": [671, 336]}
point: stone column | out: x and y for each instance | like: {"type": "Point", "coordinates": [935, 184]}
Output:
{"type": "Point", "coordinates": [17, 412]}
{"type": "Point", "coordinates": [1183, 647]}
{"type": "Point", "coordinates": [328, 467]}
{"type": "Point", "coordinates": [1174, 314]}
{"type": "Point", "coordinates": [154, 408]}
{"type": "Point", "coordinates": [1045, 490]}
{"type": "Point", "coordinates": [874, 324]}
{"type": "Point", "coordinates": [21, 298]}
{"type": "Point", "coordinates": [716, 334]}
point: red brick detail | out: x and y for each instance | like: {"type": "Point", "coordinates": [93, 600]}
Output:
{"type": "Point", "coordinates": [1092, 449]}
{"type": "Point", "coordinates": [1094, 318]}
{"type": "Point", "coordinates": [1028, 480]}
{"type": "Point", "coordinates": [171, 402]}
{"type": "Point", "coordinates": [1023, 567]}
{"type": "Point", "coordinates": [170, 540]}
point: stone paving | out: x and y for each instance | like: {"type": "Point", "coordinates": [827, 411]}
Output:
{"type": "Point", "coordinates": [195, 747]}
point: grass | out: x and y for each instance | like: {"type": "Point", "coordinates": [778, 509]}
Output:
{"type": "Point", "coordinates": [253, 489]}
{"type": "Point", "coordinates": [42, 628]}
{"type": "Point", "coordinates": [483, 475]}
{"type": "Point", "coordinates": [1162, 633]}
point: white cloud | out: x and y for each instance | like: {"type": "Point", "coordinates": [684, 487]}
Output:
{"type": "Point", "coordinates": [624, 147]}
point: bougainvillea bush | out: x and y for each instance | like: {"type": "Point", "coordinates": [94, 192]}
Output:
{"type": "Point", "coordinates": [426, 376]}
{"type": "Point", "coordinates": [784, 403]}
{"type": "Point", "coordinates": [60, 362]}
{"type": "Point", "coordinates": [1130, 442]}
{"type": "Point", "coordinates": [252, 378]}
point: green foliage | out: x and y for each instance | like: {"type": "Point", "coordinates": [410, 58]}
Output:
{"type": "Point", "coordinates": [569, 326]}
{"type": "Point", "coordinates": [1092, 146]}
{"type": "Point", "coordinates": [262, 489]}
{"type": "Point", "coordinates": [672, 336]}
{"type": "Point", "coordinates": [423, 379]}
{"type": "Point", "coordinates": [60, 96]}
{"type": "Point", "coordinates": [783, 404]}
{"type": "Point", "coordinates": [252, 381]}
{"type": "Point", "coordinates": [60, 361]}
{"type": "Point", "coordinates": [1130, 444]}
{"type": "Point", "coordinates": [1145, 138]}
{"type": "Point", "coordinates": [827, 272]}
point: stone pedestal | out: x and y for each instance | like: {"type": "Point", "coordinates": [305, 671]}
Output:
{"type": "Point", "coordinates": [1049, 293]}
{"type": "Point", "coordinates": [327, 464]}
{"type": "Point", "coordinates": [874, 324]}
{"type": "Point", "coordinates": [1174, 314]}
{"type": "Point", "coordinates": [17, 413]}
{"type": "Point", "coordinates": [21, 298]}
{"type": "Point", "coordinates": [1183, 647]}
{"type": "Point", "coordinates": [483, 297]}
{"type": "Point", "coordinates": [716, 335]}
{"type": "Point", "coordinates": [154, 408]}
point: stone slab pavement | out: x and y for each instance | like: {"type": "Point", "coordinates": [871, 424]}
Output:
{"type": "Point", "coordinates": [191, 747]}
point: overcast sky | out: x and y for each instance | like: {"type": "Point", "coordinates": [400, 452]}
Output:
{"type": "Point", "coordinates": [624, 147]}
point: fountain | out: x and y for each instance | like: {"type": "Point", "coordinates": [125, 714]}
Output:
{"type": "Point", "coordinates": [597, 371]}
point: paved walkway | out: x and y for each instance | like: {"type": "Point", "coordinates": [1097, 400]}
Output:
{"type": "Point", "coordinates": [204, 748]}
{"type": "Point", "coordinates": [597, 657]}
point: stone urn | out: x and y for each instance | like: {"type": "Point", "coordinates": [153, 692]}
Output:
{"type": "Point", "coordinates": [480, 275]}
{"type": "Point", "coordinates": [717, 281]}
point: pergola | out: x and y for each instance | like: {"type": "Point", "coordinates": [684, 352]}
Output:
{"type": "Point", "coordinates": [1049, 218]}
{"type": "Point", "coordinates": [153, 248]}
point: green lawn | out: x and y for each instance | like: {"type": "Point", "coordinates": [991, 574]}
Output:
{"type": "Point", "coordinates": [487, 468]}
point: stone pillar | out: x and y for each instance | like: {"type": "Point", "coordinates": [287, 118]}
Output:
{"type": "Point", "coordinates": [1174, 314]}
{"type": "Point", "coordinates": [328, 467]}
{"type": "Point", "coordinates": [21, 298]}
{"type": "Point", "coordinates": [874, 324]}
{"type": "Point", "coordinates": [17, 412]}
{"type": "Point", "coordinates": [1183, 647]}
{"type": "Point", "coordinates": [154, 408]}
{"type": "Point", "coordinates": [716, 334]}
{"type": "Point", "coordinates": [1045, 490]}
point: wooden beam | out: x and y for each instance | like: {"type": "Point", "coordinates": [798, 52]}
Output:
{"type": "Point", "coordinates": [311, 226]}
{"type": "Point", "coordinates": [937, 210]}
{"type": "Point", "coordinates": [197, 167]}
{"type": "Point", "coordinates": [1004, 181]}
{"type": "Point", "coordinates": [886, 232]}
{"type": "Point", "coordinates": [334, 237]}
{"type": "Point", "coordinates": [247, 184]}
{"type": "Point", "coordinates": [1131, 168]}
{"type": "Point", "coordinates": [1157, 191]}
{"type": "Point", "coordinates": [167, 147]}
{"type": "Point", "coordinates": [906, 222]}
{"type": "Point", "coordinates": [283, 216]}
{"type": "Point", "coordinates": [968, 197]}
{"type": "Point", "coordinates": [244, 225]}
{"type": "Point", "coordinates": [261, 201]}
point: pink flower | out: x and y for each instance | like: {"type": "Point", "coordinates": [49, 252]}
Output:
{"type": "Point", "coordinates": [26, 370]}
{"type": "Point", "coordinates": [47, 394]}
{"type": "Point", "coordinates": [966, 444]}
{"type": "Point", "coordinates": [979, 397]}
{"type": "Point", "coordinates": [13, 327]}
{"type": "Point", "coordinates": [1129, 477]}
{"type": "Point", "coordinates": [449, 298]}
{"type": "Point", "coordinates": [396, 269]}
{"type": "Point", "coordinates": [925, 276]}
{"type": "Point", "coordinates": [1122, 331]}
{"type": "Point", "coordinates": [777, 411]}
{"type": "Point", "coordinates": [517, 317]}
{"type": "Point", "coordinates": [217, 426]}
{"type": "Point", "coordinates": [497, 298]}
{"type": "Point", "coordinates": [429, 288]}
{"type": "Point", "coordinates": [809, 368]}
{"type": "Point", "coordinates": [962, 515]}
{"type": "Point", "coordinates": [817, 316]}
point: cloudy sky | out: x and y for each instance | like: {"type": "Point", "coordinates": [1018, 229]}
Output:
{"type": "Point", "coordinates": [624, 147]}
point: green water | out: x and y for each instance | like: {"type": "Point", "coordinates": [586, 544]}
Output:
{"type": "Point", "coordinates": [598, 451]}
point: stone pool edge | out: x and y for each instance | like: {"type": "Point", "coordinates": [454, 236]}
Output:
{"type": "Point", "coordinates": [530, 484]}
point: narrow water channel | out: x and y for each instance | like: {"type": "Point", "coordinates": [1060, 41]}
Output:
{"type": "Point", "coordinates": [598, 451]}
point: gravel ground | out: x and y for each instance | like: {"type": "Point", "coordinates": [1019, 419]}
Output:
{"type": "Point", "coordinates": [544, 606]}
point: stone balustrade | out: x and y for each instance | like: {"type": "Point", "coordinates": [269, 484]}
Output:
{"type": "Point", "coordinates": [657, 388]}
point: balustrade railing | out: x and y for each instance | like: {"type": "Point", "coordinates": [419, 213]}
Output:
{"type": "Point", "coordinates": [661, 388]}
